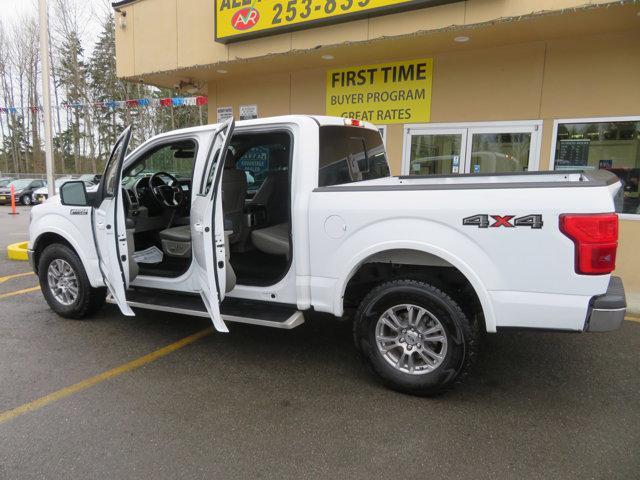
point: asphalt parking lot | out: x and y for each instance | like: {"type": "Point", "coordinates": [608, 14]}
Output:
{"type": "Point", "coordinates": [260, 403]}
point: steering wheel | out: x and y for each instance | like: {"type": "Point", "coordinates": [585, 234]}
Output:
{"type": "Point", "coordinates": [169, 195]}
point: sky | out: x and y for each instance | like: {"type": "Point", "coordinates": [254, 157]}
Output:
{"type": "Point", "coordinates": [12, 10]}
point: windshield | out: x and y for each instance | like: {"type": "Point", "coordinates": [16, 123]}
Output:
{"type": "Point", "coordinates": [4, 183]}
{"type": "Point", "coordinates": [176, 158]}
{"type": "Point", "coordinates": [20, 184]}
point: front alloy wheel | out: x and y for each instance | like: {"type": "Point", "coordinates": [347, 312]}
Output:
{"type": "Point", "coordinates": [63, 282]}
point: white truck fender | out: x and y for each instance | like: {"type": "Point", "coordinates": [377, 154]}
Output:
{"type": "Point", "coordinates": [353, 261]}
{"type": "Point", "coordinates": [81, 242]}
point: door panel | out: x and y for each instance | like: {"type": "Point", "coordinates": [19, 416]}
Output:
{"type": "Point", "coordinates": [207, 228]}
{"type": "Point", "coordinates": [110, 231]}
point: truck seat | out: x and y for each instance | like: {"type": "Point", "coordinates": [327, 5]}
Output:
{"type": "Point", "coordinates": [274, 191]}
{"type": "Point", "coordinates": [176, 241]}
{"type": "Point", "coordinates": [273, 240]}
{"type": "Point", "coordinates": [234, 192]}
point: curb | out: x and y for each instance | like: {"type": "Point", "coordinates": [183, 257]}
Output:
{"type": "Point", "coordinates": [18, 251]}
{"type": "Point", "coordinates": [633, 303]}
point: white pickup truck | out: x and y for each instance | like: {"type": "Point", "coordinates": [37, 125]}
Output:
{"type": "Point", "coordinates": [261, 221]}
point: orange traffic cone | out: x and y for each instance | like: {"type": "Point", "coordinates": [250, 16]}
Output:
{"type": "Point", "coordinates": [13, 202]}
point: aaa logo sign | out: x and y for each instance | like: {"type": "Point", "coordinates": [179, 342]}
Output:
{"type": "Point", "coordinates": [240, 19]}
{"type": "Point", "coordinates": [245, 19]}
{"type": "Point", "coordinates": [398, 92]}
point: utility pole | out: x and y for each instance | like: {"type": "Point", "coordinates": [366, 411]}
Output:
{"type": "Point", "coordinates": [46, 94]}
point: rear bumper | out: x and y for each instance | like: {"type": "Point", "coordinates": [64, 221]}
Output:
{"type": "Point", "coordinates": [606, 312]}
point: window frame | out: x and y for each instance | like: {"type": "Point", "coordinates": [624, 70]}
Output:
{"type": "Point", "coordinates": [554, 140]}
{"type": "Point", "coordinates": [383, 130]}
{"type": "Point", "coordinates": [136, 155]}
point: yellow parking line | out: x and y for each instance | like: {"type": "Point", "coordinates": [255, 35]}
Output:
{"type": "Point", "coordinates": [90, 382]}
{"type": "Point", "coordinates": [19, 292]}
{"type": "Point", "coordinates": [17, 275]}
{"type": "Point", "coordinates": [633, 319]}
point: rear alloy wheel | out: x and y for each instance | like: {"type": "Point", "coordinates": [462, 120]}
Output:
{"type": "Point", "coordinates": [26, 200]}
{"type": "Point", "coordinates": [411, 339]}
{"type": "Point", "coordinates": [415, 337]}
{"type": "Point", "coordinates": [65, 284]}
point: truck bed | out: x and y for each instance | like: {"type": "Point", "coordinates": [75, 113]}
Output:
{"type": "Point", "coordinates": [526, 275]}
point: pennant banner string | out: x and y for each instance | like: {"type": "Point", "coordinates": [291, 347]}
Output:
{"type": "Point", "coordinates": [119, 104]}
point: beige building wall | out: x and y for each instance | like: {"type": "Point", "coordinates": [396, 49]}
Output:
{"type": "Point", "coordinates": [515, 82]}
{"type": "Point", "coordinates": [163, 35]}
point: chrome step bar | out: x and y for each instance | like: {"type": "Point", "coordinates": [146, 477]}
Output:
{"type": "Point", "coordinates": [295, 320]}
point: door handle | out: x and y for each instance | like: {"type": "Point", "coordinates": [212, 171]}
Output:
{"type": "Point", "coordinates": [198, 227]}
{"type": "Point", "coordinates": [100, 225]}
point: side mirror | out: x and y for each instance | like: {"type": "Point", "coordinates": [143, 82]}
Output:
{"type": "Point", "coordinates": [74, 194]}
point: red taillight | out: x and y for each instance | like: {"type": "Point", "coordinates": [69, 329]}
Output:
{"type": "Point", "coordinates": [352, 122]}
{"type": "Point", "coordinates": [596, 240]}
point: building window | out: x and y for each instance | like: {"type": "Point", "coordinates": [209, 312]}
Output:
{"type": "Point", "coordinates": [383, 133]}
{"type": "Point", "coordinates": [609, 144]}
{"type": "Point", "coordinates": [486, 147]}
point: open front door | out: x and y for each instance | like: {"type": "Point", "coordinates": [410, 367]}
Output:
{"type": "Point", "coordinates": [109, 226]}
{"type": "Point", "coordinates": [207, 227]}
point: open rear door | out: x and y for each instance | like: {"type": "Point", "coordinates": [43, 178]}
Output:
{"type": "Point", "coordinates": [207, 227]}
{"type": "Point", "coordinates": [109, 226]}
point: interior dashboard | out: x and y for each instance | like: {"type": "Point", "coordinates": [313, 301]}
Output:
{"type": "Point", "coordinates": [139, 196]}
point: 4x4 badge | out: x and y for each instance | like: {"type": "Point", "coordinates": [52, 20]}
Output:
{"type": "Point", "coordinates": [482, 221]}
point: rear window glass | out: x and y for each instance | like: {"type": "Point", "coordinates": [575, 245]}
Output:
{"type": "Point", "coordinates": [350, 154]}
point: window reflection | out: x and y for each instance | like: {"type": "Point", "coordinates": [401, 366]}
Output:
{"type": "Point", "coordinates": [613, 146]}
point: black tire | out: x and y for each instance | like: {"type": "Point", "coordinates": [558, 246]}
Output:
{"type": "Point", "coordinates": [462, 336]}
{"type": "Point", "coordinates": [26, 200]}
{"type": "Point", "coordinates": [89, 299]}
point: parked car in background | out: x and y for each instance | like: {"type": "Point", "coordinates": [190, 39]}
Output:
{"type": "Point", "coordinates": [5, 181]}
{"type": "Point", "coordinates": [91, 177]}
{"type": "Point", "coordinates": [40, 195]}
{"type": "Point", "coordinates": [22, 190]}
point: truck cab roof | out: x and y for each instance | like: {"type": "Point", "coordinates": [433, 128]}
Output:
{"type": "Point", "coordinates": [321, 120]}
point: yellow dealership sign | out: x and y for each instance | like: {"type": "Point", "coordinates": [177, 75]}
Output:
{"type": "Point", "coordinates": [243, 19]}
{"type": "Point", "coordinates": [398, 92]}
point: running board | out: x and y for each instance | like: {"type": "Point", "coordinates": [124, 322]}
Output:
{"type": "Point", "coordinates": [234, 310]}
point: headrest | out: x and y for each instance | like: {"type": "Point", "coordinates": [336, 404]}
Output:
{"type": "Point", "coordinates": [230, 161]}
{"type": "Point", "coordinates": [279, 159]}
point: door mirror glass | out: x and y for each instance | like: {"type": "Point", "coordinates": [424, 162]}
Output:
{"type": "Point", "coordinates": [74, 194]}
